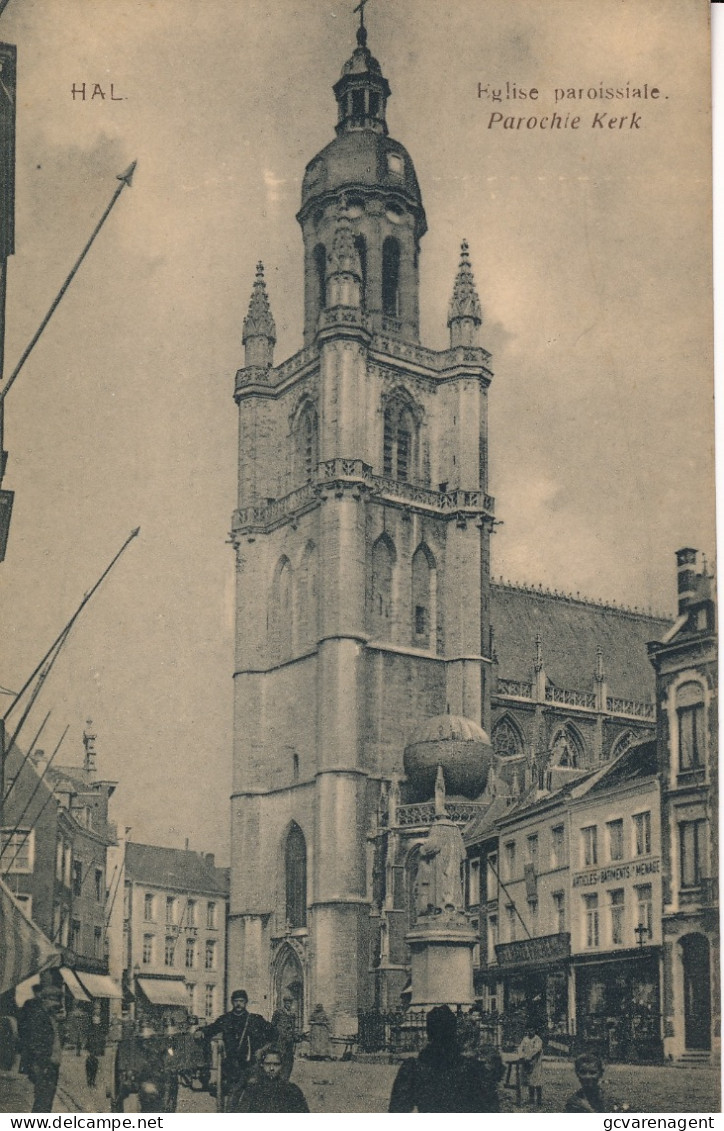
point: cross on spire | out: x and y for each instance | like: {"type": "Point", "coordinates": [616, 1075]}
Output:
{"type": "Point", "coordinates": [361, 30]}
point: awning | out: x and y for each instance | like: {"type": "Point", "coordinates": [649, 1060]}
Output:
{"type": "Point", "coordinates": [73, 984]}
{"type": "Point", "coordinates": [99, 985]}
{"type": "Point", "coordinates": [164, 991]}
{"type": "Point", "coordinates": [25, 948]}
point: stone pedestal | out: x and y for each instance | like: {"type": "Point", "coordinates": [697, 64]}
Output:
{"type": "Point", "coordinates": [441, 959]}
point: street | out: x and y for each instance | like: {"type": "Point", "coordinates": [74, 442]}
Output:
{"type": "Point", "coordinates": [357, 1086]}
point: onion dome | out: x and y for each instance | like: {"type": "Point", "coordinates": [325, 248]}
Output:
{"type": "Point", "coordinates": [459, 745]}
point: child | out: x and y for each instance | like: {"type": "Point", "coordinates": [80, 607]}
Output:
{"type": "Point", "coordinates": [590, 1096]}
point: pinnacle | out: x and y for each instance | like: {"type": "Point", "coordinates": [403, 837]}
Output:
{"type": "Point", "coordinates": [259, 322]}
{"type": "Point", "coordinates": [465, 302]}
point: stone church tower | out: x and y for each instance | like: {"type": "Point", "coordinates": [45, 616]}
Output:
{"type": "Point", "coordinates": [362, 539]}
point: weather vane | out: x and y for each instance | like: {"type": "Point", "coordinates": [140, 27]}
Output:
{"type": "Point", "coordinates": [361, 31]}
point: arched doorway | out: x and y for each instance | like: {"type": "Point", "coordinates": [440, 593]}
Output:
{"type": "Point", "coordinates": [697, 991]}
{"type": "Point", "coordinates": [289, 982]}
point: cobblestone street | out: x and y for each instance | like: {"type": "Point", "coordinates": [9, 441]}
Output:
{"type": "Point", "coordinates": [335, 1087]}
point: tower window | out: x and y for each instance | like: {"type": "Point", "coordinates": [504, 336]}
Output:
{"type": "Point", "coordinates": [306, 444]}
{"type": "Point", "coordinates": [399, 440]}
{"type": "Point", "coordinates": [374, 104]}
{"type": "Point", "coordinates": [361, 248]}
{"type": "Point", "coordinates": [383, 564]}
{"type": "Point", "coordinates": [320, 270]}
{"type": "Point", "coordinates": [358, 104]}
{"type": "Point", "coordinates": [423, 597]}
{"type": "Point", "coordinates": [391, 277]}
{"type": "Point", "coordinates": [296, 877]}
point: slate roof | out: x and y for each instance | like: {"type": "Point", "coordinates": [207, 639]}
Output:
{"type": "Point", "coordinates": [639, 761]}
{"type": "Point", "coordinates": [571, 629]}
{"type": "Point", "coordinates": [175, 868]}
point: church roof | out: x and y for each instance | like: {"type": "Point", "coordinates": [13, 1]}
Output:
{"type": "Point", "coordinates": [175, 868]}
{"type": "Point", "coordinates": [571, 629]}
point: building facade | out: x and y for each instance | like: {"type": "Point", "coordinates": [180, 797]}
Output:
{"type": "Point", "coordinates": [685, 661]}
{"type": "Point", "coordinates": [169, 929]}
{"type": "Point", "coordinates": [372, 644]}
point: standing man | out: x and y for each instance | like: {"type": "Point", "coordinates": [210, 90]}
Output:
{"type": "Point", "coordinates": [243, 1035]}
{"type": "Point", "coordinates": [530, 1052]}
{"type": "Point", "coordinates": [41, 1046]}
{"type": "Point", "coordinates": [284, 1023]}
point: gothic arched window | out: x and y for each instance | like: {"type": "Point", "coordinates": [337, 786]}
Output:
{"type": "Point", "coordinates": [622, 743]}
{"type": "Point", "coordinates": [320, 271]}
{"type": "Point", "coordinates": [399, 455]}
{"type": "Point", "coordinates": [391, 277]}
{"type": "Point", "coordinates": [423, 598]}
{"type": "Point", "coordinates": [280, 614]}
{"type": "Point", "coordinates": [305, 614]}
{"type": "Point", "coordinates": [567, 748]}
{"type": "Point", "coordinates": [361, 246]}
{"type": "Point", "coordinates": [507, 741]}
{"type": "Point", "coordinates": [383, 565]}
{"type": "Point", "coordinates": [295, 869]}
{"type": "Point", "coordinates": [306, 444]}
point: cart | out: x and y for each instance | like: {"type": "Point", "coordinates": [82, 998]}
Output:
{"type": "Point", "coordinates": [153, 1065]}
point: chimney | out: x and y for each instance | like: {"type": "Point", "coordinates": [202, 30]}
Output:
{"type": "Point", "coordinates": [89, 741]}
{"type": "Point", "coordinates": [686, 577]}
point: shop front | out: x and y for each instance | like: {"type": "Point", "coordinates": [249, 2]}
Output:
{"type": "Point", "coordinates": [535, 975]}
{"type": "Point", "coordinates": [618, 1007]}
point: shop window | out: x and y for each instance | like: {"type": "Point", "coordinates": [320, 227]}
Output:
{"type": "Point", "coordinates": [558, 847]}
{"type": "Point", "coordinates": [590, 905]}
{"type": "Point", "coordinates": [589, 843]}
{"type": "Point", "coordinates": [615, 840]}
{"type": "Point", "coordinates": [147, 954]}
{"type": "Point", "coordinates": [692, 837]}
{"type": "Point", "coordinates": [296, 877]}
{"type": "Point", "coordinates": [642, 834]}
{"type": "Point", "coordinates": [617, 916]}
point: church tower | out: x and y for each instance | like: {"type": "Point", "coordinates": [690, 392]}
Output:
{"type": "Point", "coordinates": [362, 546]}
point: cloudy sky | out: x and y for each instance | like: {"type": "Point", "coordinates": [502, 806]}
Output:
{"type": "Point", "coordinates": [591, 253]}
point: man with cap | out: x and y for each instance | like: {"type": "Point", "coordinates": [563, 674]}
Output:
{"type": "Point", "coordinates": [284, 1024]}
{"type": "Point", "coordinates": [41, 1045]}
{"type": "Point", "coordinates": [243, 1035]}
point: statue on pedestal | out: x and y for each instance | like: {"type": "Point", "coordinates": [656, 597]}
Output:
{"type": "Point", "coordinates": [439, 885]}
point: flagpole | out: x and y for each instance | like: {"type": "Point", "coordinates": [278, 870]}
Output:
{"type": "Point", "coordinates": [125, 179]}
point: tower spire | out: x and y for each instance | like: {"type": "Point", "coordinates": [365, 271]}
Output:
{"type": "Point", "coordinates": [465, 313]}
{"type": "Point", "coordinates": [260, 332]}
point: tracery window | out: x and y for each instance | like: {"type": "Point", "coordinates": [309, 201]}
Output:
{"type": "Point", "coordinates": [306, 445]}
{"type": "Point", "coordinates": [295, 864]}
{"type": "Point", "coordinates": [383, 564]}
{"type": "Point", "coordinates": [423, 597]}
{"type": "Point", "coordinates": [506, 739]}
{"type": "Point", "coordinates": [400, 440]}
{"type": "Point", "coordinates": [280, 614]}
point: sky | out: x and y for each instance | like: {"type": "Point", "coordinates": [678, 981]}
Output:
{"type": "Point", "coordinates": [591, 251]}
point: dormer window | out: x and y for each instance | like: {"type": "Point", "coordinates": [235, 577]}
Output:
{"type": "Point", "coordinates": [395, 164]}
